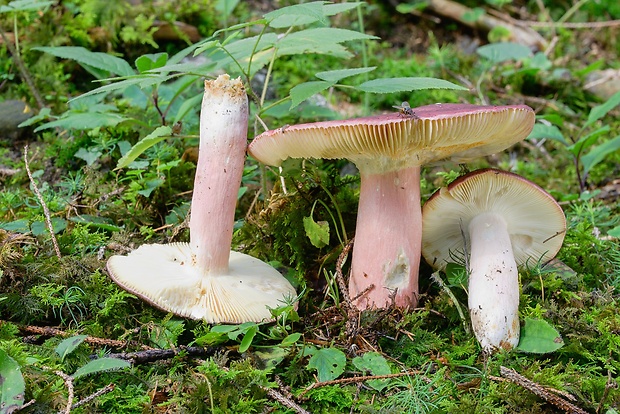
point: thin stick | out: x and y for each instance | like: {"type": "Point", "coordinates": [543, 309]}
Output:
{"type": "Point", "coordinates": [69, 383]}
{"type": "Point", "coordinates": [46, 211]}
{"type": "Point", "coordinates": [287, 402]}
{"type": "Point", "coordinates": [108, 388]}
{"type": "Point", "coordinates": [356, 380]}
{"type": "Point", "coordinates": [47, 331]}
{"type": "Point", "coordinates": [537, 389]}
{"type": "Point", "coordinates": [339, 276]}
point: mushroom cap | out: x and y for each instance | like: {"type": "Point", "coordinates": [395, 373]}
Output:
{"type": "Point", "coordinates": [535, 222]}
{"type": "Point", "coordinates": [394, 141]}
{"type": "Point", "coordinates": [166, 276]}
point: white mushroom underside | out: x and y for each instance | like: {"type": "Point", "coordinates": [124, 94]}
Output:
{"type": "Point", "coordinates": [165, 275]}
{"type": "Point", "coordinates": [533, 223]}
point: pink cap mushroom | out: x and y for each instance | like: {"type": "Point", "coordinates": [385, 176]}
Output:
{"type": "Point", "coordinates": [389, 150]}
{"type": "Point", "coordinates": [505, 221]}
{"type": "Point", "coordinates": [204, 279]}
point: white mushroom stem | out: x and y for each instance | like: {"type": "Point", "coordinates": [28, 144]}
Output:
{"type": "Point", "coordinates": [223, 141]}
{"type": "Point", "coordinates": [493, 283]}
{"type": "Point", "coordinates": [388, 239]}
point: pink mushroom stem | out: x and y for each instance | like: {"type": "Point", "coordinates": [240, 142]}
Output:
{"type": "Point", "coordinates": [388, 239]}
{"type": "Point", "coordinates": [223, 142]}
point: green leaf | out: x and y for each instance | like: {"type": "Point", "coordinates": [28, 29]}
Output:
{"type": "Point", "coordinates": [503, 51]}
{"type": "Point", "coordinates": [392, 85]}
{"type": "Point", "coordinates": [151, 61]}
{"type": "Point", "coordinates": [317, 232]}
{"type": "Point", "coordinates": [17, 226]}
{"type": "Point", "coordinates": [69, 345]}
{"type": "Point", "coordinates": [97, 60]}
{"type": "Point", "coordinates": [587, 141]}
{"type": "Point", "coordinates": [296, 15]}
{"type": "Point", "coordinates": [539, 337]}
{"type": "Point", "coordinates": [248, 338]}
{"type": "Point", "coordinates": [598, 153]}
{"type": "Point", "coordinates": [543, 131]}
{"type": "Point", "coordinates": [159, 134]}
{"type": "Point", "coordinates": [322, 40]}
{"type": "Point", "coordinates": [187, 106]}
{"type": "Point", "coordinates": [376, 364]}
{"type": "Point", "coordinates": [303, 91]}
{"type": "Point", "coordinates": [615, 232]}
{"type": "Point", "coordinates": [337, 75]}
{"type": "Point", "coordinates": [89, 155]}
{"type": "Point", "coordinates": [100, 365]}
{"type": "Point", "coordinates": [96, 222]}
{"type": "Point", "coordinates": [328, 362]}
{"type": "Point", "coordinates": [331, 9]}
{"type": "Point", "coordinates": [142, 81]}
{"type": "Point", "coordinates": [84, 121]}
{"type": "Point", "coordinates": [25, 5]}
{"type": "Point", "coordinates": [291, 339]}
{"type": "Point", "coordinates": [40, 227]}
{"type": "Point", "coordinates": [600, 111]}
{"type": "Point", "coordinates": [12, 385]}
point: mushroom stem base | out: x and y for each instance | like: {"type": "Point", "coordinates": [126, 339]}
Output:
{"type": "Point", "coordinates": [388, 240]}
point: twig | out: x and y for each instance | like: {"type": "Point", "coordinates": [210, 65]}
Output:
{"type": "Point", "coordinates": [540, 391]}
{"type": "Point", "coordinates": [150, 355]}
{"type": "Point", "coordinates": [435, 278]}
{"type": "Point", "coordinates": [340, 277]}
{"type": "Point", "coordinates": [355, 380]}
{"type": "Point", "coordinates": [46, 211]}
{"type": "Point", "coordinates": [47, 331]}
{"type": "Point", "coordinates": [69, 383]}
{"type": "Point", "coordinates": [108, 388]}
{"type": "Point", "coordinates": [287, 402]}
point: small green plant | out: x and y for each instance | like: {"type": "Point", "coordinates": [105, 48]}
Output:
{"type": "Point", "coordinates": [586, 155]}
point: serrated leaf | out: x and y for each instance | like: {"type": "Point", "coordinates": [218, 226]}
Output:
{"type": "Point", "coordinates": [328, 362]}
{"type": "Point", "coordinates": [503, 51]}
{"type": "Point", "coordinates": [248, 338]}
{"type": "Point", "coordinates": [84, 121]}
{"type": "Point", "coordinates": [303, 91]}
{"type": "Point", "coordinates": [142, 81]}
{"type": "Point", "coordinates": [159, 134]}
{"type": "Point", "coordinates": [317, 232]}
{"type": "Point", "coordinates": [392, 85]}
{"type": "Point", "coordinates": [322, 40]}
{"type": "Point", "coordinates": [598, 153]}
{"type": "Point", "coordinates": [69, 345]}
{"type": "Point", "coordinates": [337, 75]}
{"type": "Point", "coordinates": [331, 9]}
{"type": "Point", "coordinates": [601, 110]}
{"type": "Point", "coordinates": [24, 5]}
{"type": "Point", "coordinates": [12, 385]}
{"type": "Point", "coordinates": [83, 56]}
{"type": "Point", "coordinates": [101, 365]}
{"type": "Point", "coordinates": [296, 15]}
{"type": "Point", "coordinates": [539, 337]}
{"type": "Point", "coordinates": [542, 131]}
{"type": "Point", "coordinates": [376, 364]}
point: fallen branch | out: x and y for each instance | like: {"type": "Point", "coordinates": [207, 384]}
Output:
{"type": "Point", "coordinates": [48, 331]}
{"type": "Point", "coordinates": [150, 355]}
{"type": "Point", "coordinates": [539, 390]}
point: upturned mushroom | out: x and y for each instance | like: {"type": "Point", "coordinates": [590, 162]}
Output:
{"type": "Point", "coordinates": [389, 151]}
{"type": "Point", "coordinates": [500, 221]}
{"type": "Point", "coordinates": [204, 279]}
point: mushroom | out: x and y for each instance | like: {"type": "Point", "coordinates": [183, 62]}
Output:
{"type": "Point", "coordinates": [501, 221]}
{"type": "Point", "coordinates": [389, 150]}
{"type": "Point", "coordinates": [204, 279]}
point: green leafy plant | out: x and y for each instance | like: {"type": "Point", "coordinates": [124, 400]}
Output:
{"type": "Point", "coordinates": [586, 154]}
